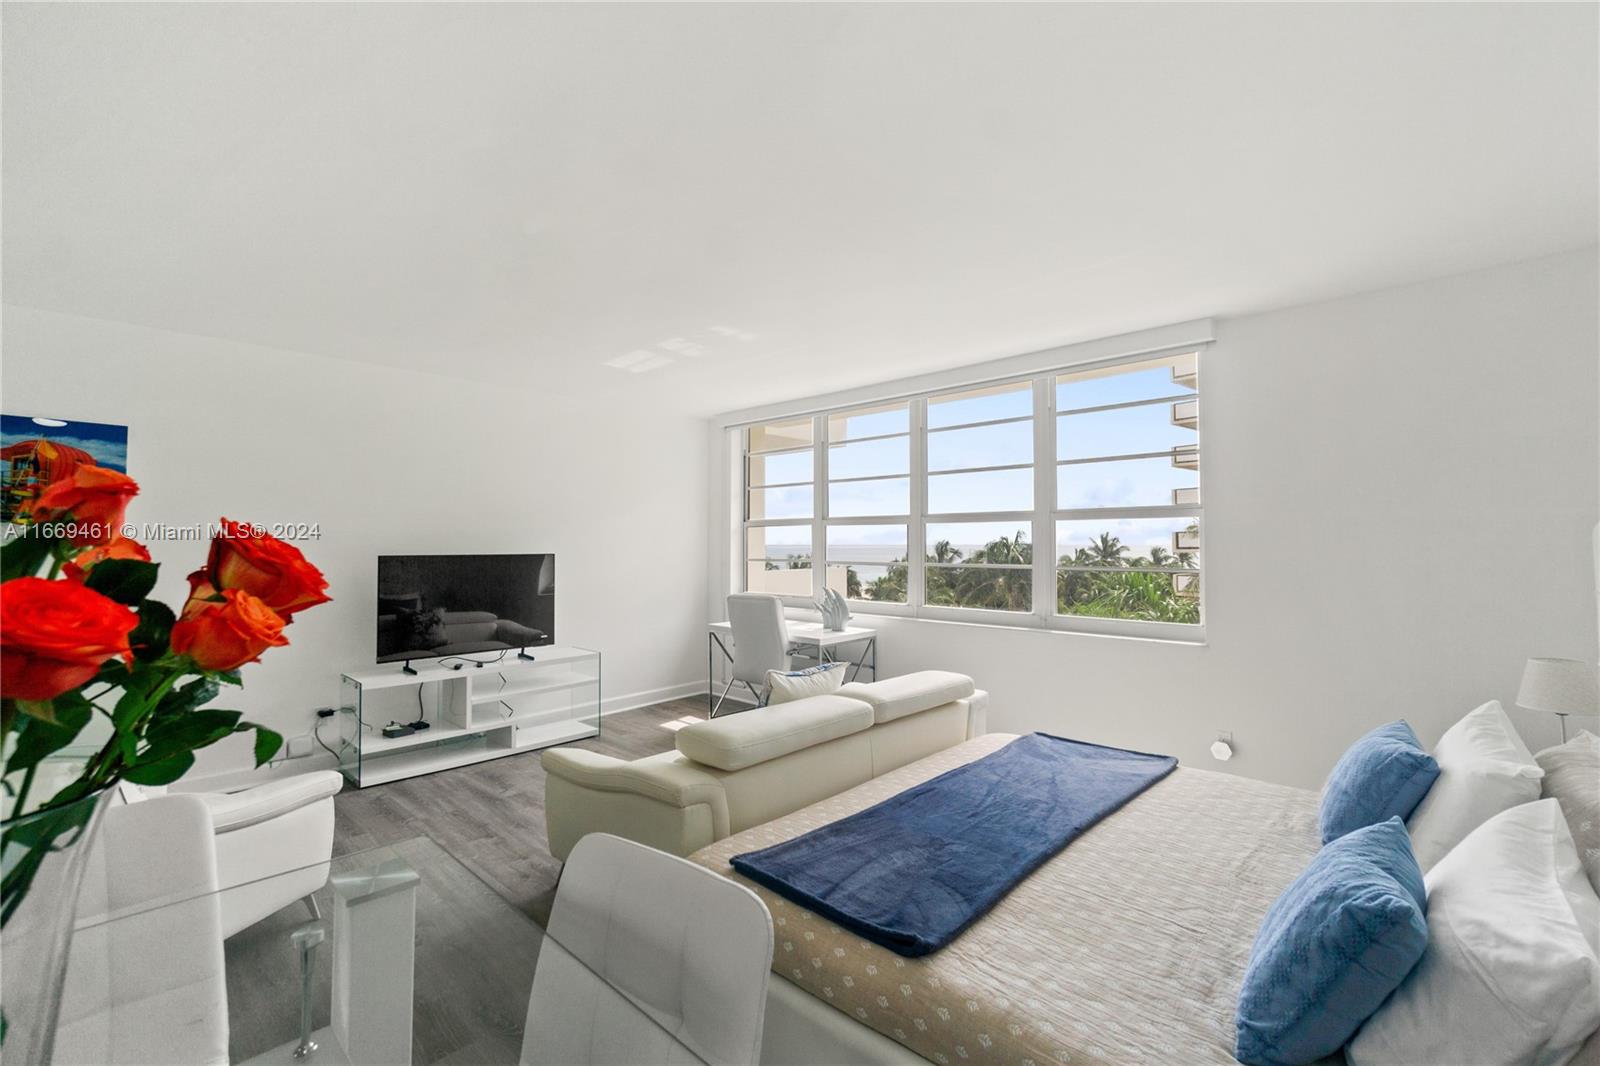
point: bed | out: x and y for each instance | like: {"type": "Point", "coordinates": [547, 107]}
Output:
{"type": "Point", "coordinates": [1128, 946]}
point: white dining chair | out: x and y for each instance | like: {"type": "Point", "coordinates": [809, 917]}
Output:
{"type": "Point", "coordinates": [760, 643]}
{"type": "Point", "coordinates": [145, 978]}
{"type": "Point", "coordinates": [273, 842]}
{"type": "Point", "coordinates": [648, 959]}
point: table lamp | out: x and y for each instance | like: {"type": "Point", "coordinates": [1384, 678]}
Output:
{"type": "Point", "coordinates": [1560, 687]}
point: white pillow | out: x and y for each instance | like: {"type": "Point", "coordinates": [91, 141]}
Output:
{"type": "Point", "coordinates": [800, 684]}
{"type": "Point", "coordinates": [1511, 973]}
{"type": "Point", "coordinates": [1484, 768]}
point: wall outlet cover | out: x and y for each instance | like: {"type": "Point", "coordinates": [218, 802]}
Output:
{"type": "Point", "coordinates": [298, 747]}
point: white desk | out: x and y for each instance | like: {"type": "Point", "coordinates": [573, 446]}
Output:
{"type": "Point", "coordinates": [804, 635]}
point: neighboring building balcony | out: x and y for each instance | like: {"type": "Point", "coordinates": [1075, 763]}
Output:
{"type": "Point", "coordinates": [1186, 414]}
{"type": "Point", "coordinates": [1186, 540]}
{"type": "Point", "coordinates": [1186, 457]}
{"type": "Point", "coordinates": [1186, 373]}
{"type": "Point", "coordinates": [1189, 497]}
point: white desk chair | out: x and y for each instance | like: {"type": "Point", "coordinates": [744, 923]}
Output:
{"type": "Point", "coordinates": [760, 643]}
{"type": "Point", "coordinates": [649, 959]}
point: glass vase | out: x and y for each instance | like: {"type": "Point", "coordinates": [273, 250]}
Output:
{"type": "Point", "coordinates": [42, 856]}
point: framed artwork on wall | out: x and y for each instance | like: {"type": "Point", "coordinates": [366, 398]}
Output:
{"type": "Point", "coordinates": [34, 451]}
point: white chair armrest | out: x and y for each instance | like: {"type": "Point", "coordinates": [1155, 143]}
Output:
{"type": "Point", "coordinates": [236, 810]}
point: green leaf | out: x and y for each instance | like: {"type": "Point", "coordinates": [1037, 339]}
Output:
{"type": "Point", "coordinates": [129, 708]}
{"type": "Point", "coordinates": [188, 732]}
{"type": "Point", "coordinates": [24, 555]}
{"type": "Point", "coordinates": [162, 771]}
{"type": "Point", "coordinates": [189, 697]}
{"type": "Point", "coordinates": [267, 744]}
{"type": "Point", "coordinates": [128, 581]}
{"type": "Point", "coordinates": [37, 738]}
{"type": "Point", "coordinates": [154, 631]}
{"type": "Point", "coordinates": [229, 677]}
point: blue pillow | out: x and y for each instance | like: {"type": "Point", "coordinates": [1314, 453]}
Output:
{"type": "Point", "coordinates": [1384, 775]}
{"type": "Point", "coordinates": [1332, 948]}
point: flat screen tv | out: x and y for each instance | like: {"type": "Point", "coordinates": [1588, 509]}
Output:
{"type": "Point", "coordinates": [431, 606]}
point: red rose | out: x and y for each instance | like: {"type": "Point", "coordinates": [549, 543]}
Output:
{"type": "Point", "coordinates": [119, 548]}
{"type": "Point", "coordinates": [227, 634]}
{"type": "Point", "coordinates": [96, 500]}
{"type": "Point", "coordinates": [55, 635]}
{"type": "Point", "coordinates": [264, 566]}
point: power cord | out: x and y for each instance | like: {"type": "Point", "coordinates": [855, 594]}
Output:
{"type": "Point", "coordinates": [316, 730]}
{"type": "Point", "coordinates": [461, 660]}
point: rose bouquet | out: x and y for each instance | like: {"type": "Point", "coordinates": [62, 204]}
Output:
{"type": "Point", "coordinates": [85, 641]}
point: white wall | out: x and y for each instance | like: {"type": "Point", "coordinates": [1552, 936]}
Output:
{"type": "Point", "coordinates": [1400, 489]}
{"type": "Point", "coordinates": [389, 461]}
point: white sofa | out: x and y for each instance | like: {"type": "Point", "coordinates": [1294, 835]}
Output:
{"type": "Point", "coordinates": [740, 770]}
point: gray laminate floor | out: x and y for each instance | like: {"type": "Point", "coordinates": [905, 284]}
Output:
{"type": "Point", "coordinates": [474, 966]}
{"type": "Point", "coordinates": [490, 815]}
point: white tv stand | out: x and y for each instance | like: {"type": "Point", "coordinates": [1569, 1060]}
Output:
{"type": "Point", "coordinates": [474, 713]}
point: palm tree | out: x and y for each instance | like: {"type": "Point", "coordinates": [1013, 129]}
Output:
{"type": "Point", "coordinates": [1159, 556]}
{"type": "Point", "coordinates": [945, 552]}
{"type": "Point", "coordinates": [1108, 550]}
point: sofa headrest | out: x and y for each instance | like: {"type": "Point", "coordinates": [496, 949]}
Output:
{"type": "Point", "coordinates": [750, 737]}
{"type": "Point", "coordinates": [896, 697]}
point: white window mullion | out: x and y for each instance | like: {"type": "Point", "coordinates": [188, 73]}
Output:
{"type": "Point", "coordinates": [1044, 498]}
{"type": "Point", "coordinates": [819, 506]}
{"type": "Point", "coordinates": [916, 537]}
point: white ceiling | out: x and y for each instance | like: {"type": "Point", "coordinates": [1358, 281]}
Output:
{"type": "Point", "coordinates": [780, 200]}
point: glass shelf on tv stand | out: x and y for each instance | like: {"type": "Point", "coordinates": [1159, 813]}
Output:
{"type": "Point", "coordinates": [474, 713]}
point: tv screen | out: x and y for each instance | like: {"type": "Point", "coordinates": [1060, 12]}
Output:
{"type": "Point", "coordinates": [475, 605]}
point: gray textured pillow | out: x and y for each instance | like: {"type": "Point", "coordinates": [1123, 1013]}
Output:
{"type": "Point", "coordinates": [1572, 778]}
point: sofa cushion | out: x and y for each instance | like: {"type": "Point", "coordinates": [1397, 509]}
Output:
{"type": "Point", "coordinates": [755, 736]}
{"type": "Point", "coordinates": [896, 697]}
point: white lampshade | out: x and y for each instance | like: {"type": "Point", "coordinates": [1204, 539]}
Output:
{"type": "Point", "coordinates": [1559, 686]}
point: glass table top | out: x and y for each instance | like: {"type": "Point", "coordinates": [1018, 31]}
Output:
{"type": "Point", "coordinates": [155, 982]}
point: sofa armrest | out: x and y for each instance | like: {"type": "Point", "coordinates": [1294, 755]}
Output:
{"type": "Point", "coordinates": [977, 713]}
{"type": "Point", "coordinates": [237, 810]}
{"type": "Point", "coordinates": [676, 784]}
{"type": "Point", "coordinates": [666, 803]}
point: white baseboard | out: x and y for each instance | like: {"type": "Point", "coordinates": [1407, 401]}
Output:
{"type": "Point", "coordinates": [229, 780]}
{"type": "Point", "coordinates": [634, 700]}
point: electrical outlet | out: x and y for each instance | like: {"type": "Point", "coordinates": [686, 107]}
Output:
{"type": "Point", "coordinates": [298, 747]}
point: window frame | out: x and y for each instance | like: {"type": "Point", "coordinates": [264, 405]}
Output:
{"type": "Point", "coordinates": [825, 447]}
{"type": "Point", "coordinates": [1041, 519]}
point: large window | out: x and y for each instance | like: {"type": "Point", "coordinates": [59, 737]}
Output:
{"type": "Point", "coordinates": [1070, 500]}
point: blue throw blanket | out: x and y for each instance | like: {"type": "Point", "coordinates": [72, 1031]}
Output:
{"type": "Point", "coordinates": [915, 870]}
